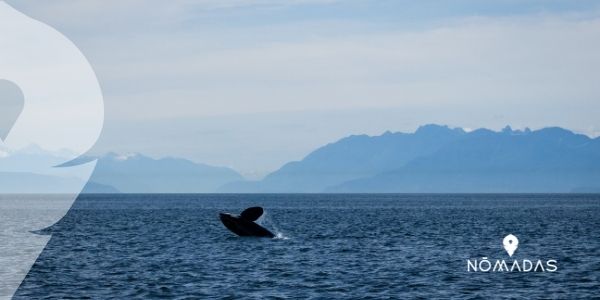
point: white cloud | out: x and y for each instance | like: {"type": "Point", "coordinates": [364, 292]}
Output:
{"type": "Point", "coordinates": [154, 64]}
{"type": "Point", "coordinates": [102, 17]}
{"type": "Point", "coordinates": [485, 64]}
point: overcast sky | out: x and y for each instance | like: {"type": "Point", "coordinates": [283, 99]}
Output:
{"type": "Point", "coordinates": [254, 84]}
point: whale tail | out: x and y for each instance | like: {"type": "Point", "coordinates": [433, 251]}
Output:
{"type": "Point", "coordinates": [252, 213]}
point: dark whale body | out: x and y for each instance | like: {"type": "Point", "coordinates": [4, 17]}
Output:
{"type": "Point", "coordinates": [243, 225]}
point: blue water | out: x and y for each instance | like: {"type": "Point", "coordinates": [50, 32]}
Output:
{"type": "Point", "coordinates": [329, 246]}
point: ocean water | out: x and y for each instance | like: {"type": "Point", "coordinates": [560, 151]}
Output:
{"type": "Point", "coordinates": [328, 247]}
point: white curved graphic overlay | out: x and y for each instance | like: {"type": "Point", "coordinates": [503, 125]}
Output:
{"type": "Point", "coordinates": [51, 112]}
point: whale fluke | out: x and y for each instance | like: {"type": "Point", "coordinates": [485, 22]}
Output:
{"type": "Point", "coordinates": [243, 225]}
{"type": "Point", "coordinates": [252, 213]}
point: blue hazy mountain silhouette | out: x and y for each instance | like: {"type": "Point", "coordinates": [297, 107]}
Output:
{"type": "Point", "coordinates": [440, 159]}
{"type": "Point", "coordinates": [354, 157]}
{"type": "Point", "coordinates": [113, 174]}
{"type": "Point", "coordinates": [433, 159]}
{"type": "Point", "coordinates": [39, 176]}
{"type": "Point", "coordinates": [141, 174]}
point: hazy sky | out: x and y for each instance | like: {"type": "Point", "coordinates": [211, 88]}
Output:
{"type": "Point", "coordinates": [253, 84]}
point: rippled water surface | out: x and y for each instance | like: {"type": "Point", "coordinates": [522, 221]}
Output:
{"type": "Point", "coordinates": [330, 246]}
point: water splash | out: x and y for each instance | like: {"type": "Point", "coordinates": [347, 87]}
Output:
{"type": "Point", "coordinates": [266, 221]}
{"type": "Point", "coordinates": [280, 236]}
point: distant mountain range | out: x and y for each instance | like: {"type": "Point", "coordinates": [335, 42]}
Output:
{"type": "Point", "coordinates": [434, 159]}
{"type": "Point", "coordinates": [439, 159]}
{"type": "Point", "coordinates": [114, 173]}
{"type": "Point", "coordinates": [141, 174]}
{"type": "Point", "coordinates": [31, 170]}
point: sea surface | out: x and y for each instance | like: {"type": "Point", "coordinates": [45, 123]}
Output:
{"type": "Point", "coordinates": [328, 247]}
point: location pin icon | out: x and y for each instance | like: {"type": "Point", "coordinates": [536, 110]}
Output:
{"type": "Point", "coordinates": [510, 243]}
{"type": "Point", "coordinates": [11, 106]}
